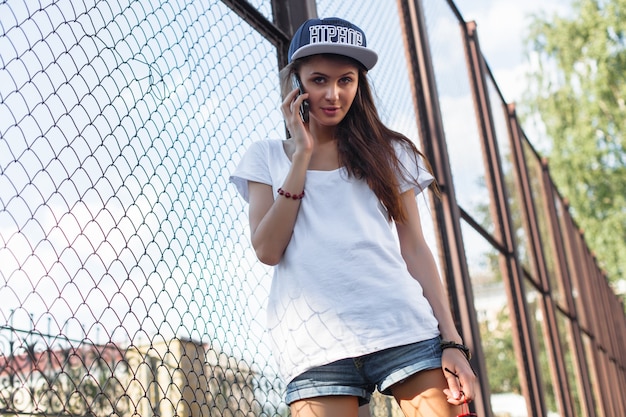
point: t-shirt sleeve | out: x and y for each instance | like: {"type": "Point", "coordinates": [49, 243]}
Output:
{"type": "Point", "coordinates": [414, 172]}
{"type": "Point", "coordinates": [252, 167]}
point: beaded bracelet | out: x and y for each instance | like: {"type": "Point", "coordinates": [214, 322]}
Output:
{"type": "Point", "coordinates": [289, 195]}
{"type": "Point", "coordinates": [446, 344]}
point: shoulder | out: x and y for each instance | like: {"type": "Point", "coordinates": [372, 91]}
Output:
{"type": "Point", "coordinates": [262, 145]}
{"type": "Point", "coordinates": [407, 153]}
{"type": "Point", "coordinates": [413, 167]}
{"type": "Point", "coordinates": [265, 149]}
{"type": "Point", "coordinates": [258, 163]}
{"type": "Point", "coordinates": [400, 147]}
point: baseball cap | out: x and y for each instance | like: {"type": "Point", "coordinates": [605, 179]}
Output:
{"type": "Point", "coordinates": [331, 35]}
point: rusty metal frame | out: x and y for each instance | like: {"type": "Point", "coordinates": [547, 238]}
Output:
{"type": "Point", "coordinates": [258, 21]}
{"type": "Point", "coordinates": [510, 266]}
{"type": "Point", "coordinates": [561, 232]}
{"type": "Point", "coordinates": [287, 15]}
{"type": "Point", "coordinates": [551, 333]}
{"type": "Point", "coordinates": [549, 209]}
{"type": "Point", "coordinates": [583, 274]}
{"type": "Point", "coordinates": [447, 211]}
{"type": "Point", "coordinates": [598, 343]}
{"type": "Point", "coordinates": [601, 331]}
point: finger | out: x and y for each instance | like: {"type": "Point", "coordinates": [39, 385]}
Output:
{"type": "Point", "coordinates": [451, 400]}
{"type": "Point", "coordinates": [289, 98]}
{"type": "Point", "coordinates": [454, 388]}
{"type": "Point", "coordinates": [294, 111]}
{"type": "Point", "coordinates": [293, 101]}
{"type": "Point", "coordinates": [299, 99]}
{"type": "Point", "coordinates": [468, 383]}
{"type": "Point", "coordinates": [293, 94]}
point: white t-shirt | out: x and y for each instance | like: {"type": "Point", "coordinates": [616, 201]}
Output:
{"type": "Point", "coordinates": [342, 288]}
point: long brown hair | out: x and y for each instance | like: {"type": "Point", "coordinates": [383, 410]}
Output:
{"type": "Point", "coordinates": [365, 145]}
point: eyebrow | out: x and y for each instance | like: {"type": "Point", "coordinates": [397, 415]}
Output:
{"type": "Point", "coordinates": [351, 72]}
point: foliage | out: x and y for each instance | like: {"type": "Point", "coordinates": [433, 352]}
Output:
{"type": "Point", "coordinates": [497, 345]}
{"type": "Point", "coordinates": [579, 91]}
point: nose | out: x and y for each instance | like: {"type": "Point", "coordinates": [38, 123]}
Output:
{"type": "Point", "coordinates": [332, 92]}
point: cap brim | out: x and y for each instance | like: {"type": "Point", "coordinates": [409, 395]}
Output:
{"type": "Point", "coordinates": [365, 56]}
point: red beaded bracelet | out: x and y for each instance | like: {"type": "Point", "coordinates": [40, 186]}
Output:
{"type": "Point", "coordinates": [289, 195]}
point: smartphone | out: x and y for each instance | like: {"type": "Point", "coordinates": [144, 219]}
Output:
{"type": "Point", "coordinates": [304, 108]}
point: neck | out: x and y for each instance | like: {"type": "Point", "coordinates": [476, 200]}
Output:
{"type": "Point", "coordinates": [325, 156]}
{"type": "Point", "coordinates": [322, 134]}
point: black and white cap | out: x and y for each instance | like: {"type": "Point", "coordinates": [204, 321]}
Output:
{"type": "Point", "coordinates": [331, 35]}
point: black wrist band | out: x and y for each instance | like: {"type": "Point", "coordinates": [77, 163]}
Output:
{"type": "Point", "coordinates": [446, 344]}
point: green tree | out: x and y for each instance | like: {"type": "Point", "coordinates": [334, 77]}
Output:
{"type": "Point", "coordinates": [578, 90]}
{"type": "Point", "coordinates": [497, 345]}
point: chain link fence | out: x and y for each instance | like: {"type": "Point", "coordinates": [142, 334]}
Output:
{"type": "Point", "coordinates": [127, 283]}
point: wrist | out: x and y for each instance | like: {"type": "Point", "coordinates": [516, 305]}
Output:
{"type": "Point", "coordinates": [449, 344]}
{"type": "Point", "coordinates": [302, 155]}
{"type": "Point", "coordinates": [450, 335]}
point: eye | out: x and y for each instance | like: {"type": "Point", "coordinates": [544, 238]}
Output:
{"type": "Point", "coordinates": [319, 80]}
{"type": "Point", "coordinates": [346, 80]}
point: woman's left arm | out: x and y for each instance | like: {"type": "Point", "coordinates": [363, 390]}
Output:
{"type": "Point", "coordinates": [421, 264]}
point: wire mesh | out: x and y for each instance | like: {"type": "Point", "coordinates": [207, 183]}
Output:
{"type": "Point", "coordinates": [124, 258]}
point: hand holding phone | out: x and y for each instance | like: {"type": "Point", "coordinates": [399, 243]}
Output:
{"type": "Point", "coordinates": [304, 107]}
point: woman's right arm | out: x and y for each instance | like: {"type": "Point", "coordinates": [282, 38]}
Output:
{"type": "Point", "coordinates": [272, 220]}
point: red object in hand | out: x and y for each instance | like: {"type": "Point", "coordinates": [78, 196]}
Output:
{"type": "Point", "coordinates": [465, 412]}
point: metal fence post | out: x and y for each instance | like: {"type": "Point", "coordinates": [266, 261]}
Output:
{"type": "Point", "coordinates": [288, 16]}
{"type": "Point", "coordinates": [448, 213]}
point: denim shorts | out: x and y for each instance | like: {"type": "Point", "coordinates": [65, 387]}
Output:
{"type": "Point", "coordinates": [361, 375]}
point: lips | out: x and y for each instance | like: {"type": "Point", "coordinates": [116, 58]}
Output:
{"type": "Point", "coordinates": [330, 111]}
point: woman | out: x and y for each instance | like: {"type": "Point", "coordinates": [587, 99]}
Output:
{"type": "Point", "coordinates": [353, 305]}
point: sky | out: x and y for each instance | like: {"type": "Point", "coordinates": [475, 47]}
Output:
{"type": "Point", "coordinates": [502, 26]}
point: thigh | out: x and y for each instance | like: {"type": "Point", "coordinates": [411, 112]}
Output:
{"type": "Point", "coordinates": [331, 406]}
{"type": "Point", "coordinates": [422, 395]}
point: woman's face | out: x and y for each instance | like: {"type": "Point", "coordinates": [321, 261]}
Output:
{"type": "Point", "coordinates": [332, 84]}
